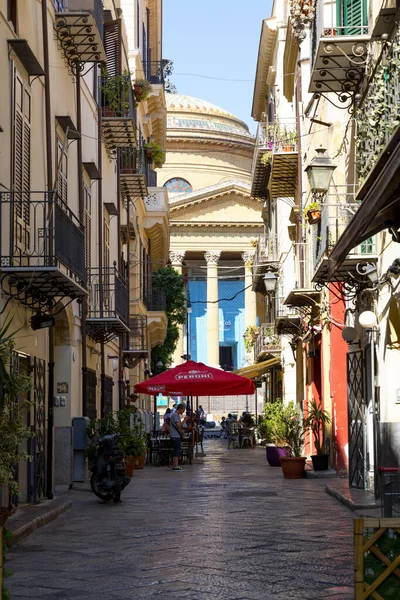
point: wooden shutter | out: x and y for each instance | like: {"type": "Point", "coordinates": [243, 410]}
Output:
{"type": "Point", "coordinates": [62, 166]}
{"type": "Point", "coordinates": [88, 226]}
{"type": "Point", "coordinates": [113, 46]}
{"type": "Point", "coordinates": [21, 164]}
{"type": "Point", "coordinates": [106, 261]}
{"type": "Point", "coordinates": [354, 17]}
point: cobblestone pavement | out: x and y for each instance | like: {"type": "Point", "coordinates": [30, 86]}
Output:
{"type": "Point", "coordinates": [229, 527]}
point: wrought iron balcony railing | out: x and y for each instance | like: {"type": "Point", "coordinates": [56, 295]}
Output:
{"type": "Point", "coordinates": [334, 219]}
{"type": "Point", "coordinates": [79, 30]}
{"type": "Point", "coordinates": [266, 258]}
{"type": "Point", "coordinates": [156, 301]}
{"type": "Point", "coordinates": [381, 105]}
{"type": "Point", "coordinates": [133, 168]}
{"type": "Point", "coordinates": [267, 341]}
{"type": "Point", "coordinates": [107, 314]}
{"type": "Point", "coordinates": [287, 319]}
{"type": "Point", "coordinates": [42, 248]}
{"type": "Point", "coordinates": [135, 342]}
{"type": "Point", "coordinates": [339, 49]}
{"type": "Point", "coordinates": [154, 72]}
{"type": "Point", "coordinates": [118, 112]}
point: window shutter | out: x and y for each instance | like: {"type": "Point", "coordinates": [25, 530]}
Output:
{"type": "Point", "coordinates": [62, 183]}
{"type": "Point", "coordinates": [88, 227]}
{"type": "Point", "coordinates": [354, 17]}
{"type": "Point", "coordinates": [112, 46]}
{"type": "Point", "coordinates": [21, 164]}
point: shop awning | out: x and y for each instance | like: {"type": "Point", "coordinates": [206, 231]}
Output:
{"type": "Point", "coordinates": [258, 369]}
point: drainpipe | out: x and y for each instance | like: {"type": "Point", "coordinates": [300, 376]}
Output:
{"type": "Point", "coordinates": [100, 244]}
{"type": "Point", "coordinates": [51, 334]}
{"type": "Point", "coordinates": [82, 220]}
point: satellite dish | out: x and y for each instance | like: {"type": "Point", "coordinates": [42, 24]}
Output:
{"type": "Point", "coordinates": [349, 334]}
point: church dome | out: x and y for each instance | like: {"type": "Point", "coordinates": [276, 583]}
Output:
{"type": "Point", "coordinates": [192, 115]}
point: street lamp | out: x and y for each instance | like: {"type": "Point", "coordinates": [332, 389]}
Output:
{"type": "Point", "coordinates": [270, 282]}
{"type": "Point", "coordinates": [367, 319]}
{"type": "Point", "coordinates": [319, 173]}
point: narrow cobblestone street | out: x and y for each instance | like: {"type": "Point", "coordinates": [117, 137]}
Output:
{"type": "Point", "coordinates": [227, 527]}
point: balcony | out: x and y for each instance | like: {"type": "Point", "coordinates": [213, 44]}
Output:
{"type": "Point", "coordinates": [261, 168]}
{"type": "Point", "coordinates": [107, 315]}
{"type": "Point", "coordinates": [156, 224]}
{"type": "Point", "coordinates": [135, 344]}
{"type": "Point", "coordinates": [284, 159]}
{"type": "Point", "coordinates": [385, 19]}
{"type": "Point", "coordinates": [334, 219]}
{"type": "Point", "coordinates": [157, 318]}
{"type": "Point", "coordinates": [303, 292]}
{"type": "Point", "coordinates": [117, 112]}
{"type": "Point", "coordinates": [42, 249]}
{"type": "Point", "coordinates": [79, 30]}
{"type": "Point", "coordinates": [287, 319]}
{"type": "Point", "coordinates": [267, 343]}
{"type": "Point", "coordinates": [132, 168]}
{"type": "Point", "coordinates": [154, 71]}
{"type": "Point", "coordinates": [266, 259]}
{"type": "Point", "coordinates": [340, 51]}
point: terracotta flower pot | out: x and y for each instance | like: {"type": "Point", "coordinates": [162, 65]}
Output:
{"type": "Point", "coordinates": [293, 466]}
{"type": "Point", "coordinates": [130, 465]}
{"type": "Point", "coordinates": [313, 216]}
{"type": "Point", "coordinates": [288, 148]}
{"type": "Point", "coordinates": [139, 463]}
{"type": "Point", "coordinates": [108, 112]}
{"type": "Point", "coordinates": [149, 154]}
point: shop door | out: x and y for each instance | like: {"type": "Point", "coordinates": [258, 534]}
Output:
{"type": "Point", "coordinates": [226, 358]}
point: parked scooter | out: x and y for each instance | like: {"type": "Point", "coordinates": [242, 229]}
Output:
{"type": "Point", "coordinates": [108, 469]}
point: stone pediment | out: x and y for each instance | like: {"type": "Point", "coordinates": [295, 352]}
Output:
{"type": "Point", "coordinates": [226, 203]}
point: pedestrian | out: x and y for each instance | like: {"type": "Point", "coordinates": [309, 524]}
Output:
{"type": "Point", "coordinates": [133, 398]}
{"type": "Point", "coordinates": [174, 407]}
{"type": "Point", "coordinates": [175, 426]}
{"type": "Point", "coordinates": [224, 432]}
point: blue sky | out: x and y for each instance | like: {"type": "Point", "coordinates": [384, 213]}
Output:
{"type": "Point", "coordinates": [219, 39]}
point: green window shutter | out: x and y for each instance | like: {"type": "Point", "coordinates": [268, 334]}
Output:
{"type": "Point", "coordinates": [352, 17]}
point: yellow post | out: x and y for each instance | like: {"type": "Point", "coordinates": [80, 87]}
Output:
{"type": "Point", "coordinates": [358, 559]}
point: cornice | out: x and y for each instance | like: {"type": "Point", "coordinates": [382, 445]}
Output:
{"type": "Point", "coordinates": [213, 191]}
{"type": "Point", "coordinates": [215, 225]}
{"type": "Point", "coordinates": [197, 143]}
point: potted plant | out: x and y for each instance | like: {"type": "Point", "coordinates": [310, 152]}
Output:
{"type": "Point", "coordinates": [313, 212]}
{"type": "Point", "coordinates": [134, 440]}
{"type": "Point", "coordinates": [115, 90]}
{"type": "Point", "coordinates": [142, 89]}
{"type": "Point", "coordinates": [293, 465]}
{"type": "Point", "coordinates": [272, 429]}
{"type": "Point", "coordinates": [250, 336]}
{"type": "Point", "coordinates": [154, 153]}
{"type": "Point", "coordinates": [317, 420]}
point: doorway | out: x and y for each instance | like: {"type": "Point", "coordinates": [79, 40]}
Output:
{"type": "Point", "coordinates": [226, 358]}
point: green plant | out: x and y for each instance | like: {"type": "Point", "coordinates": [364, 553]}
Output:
{"type": "Point", "coordinates": [116, 90]}
{"type": "Point", "coordinates": [317, 420]}
{"type": "Point", "coordinates": [157, 154]}
{"type": "Point", "coordinates": [272, 425]}
{"type": "Point", "coordinates": [266, 158]}
{"type": "Point", "coordinates": [313, 206]}
{"type": "Point", "coordinates": [294, 435]}
{"type": "Point", "coordinates": [250, 336]}
{"type": "Point", "coordinates": [146, 89]}
{"type": "Point", "coordinates": [169, 280]}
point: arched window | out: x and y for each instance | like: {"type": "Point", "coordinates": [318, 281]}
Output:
{"type": "Point", "coordinates": [178, 186]}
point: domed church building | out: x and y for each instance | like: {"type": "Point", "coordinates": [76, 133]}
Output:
{"type": "Point", "coordinates": [214, 227]}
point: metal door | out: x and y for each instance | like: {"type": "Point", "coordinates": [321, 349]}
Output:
{"type": "Point", "coordinates": [19, 364]}
{"type": "Point", "coordinates": [91, 383]}
{"type": "Point", "coordinates": [37, 474]}
{"type": "Point", "coordinates": [357, 420]}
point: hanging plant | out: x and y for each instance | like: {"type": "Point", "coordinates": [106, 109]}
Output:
{"type": "Point", "coordinates": [142, 89]}
{"type": "Point", "coordinates": [250, 336]}
{"type": "Point", "coordinates": [266, 158]}
{"type": "Point", "coordinates": [312, 212]}
{"type": "Point", "coordinates": [301, 14]}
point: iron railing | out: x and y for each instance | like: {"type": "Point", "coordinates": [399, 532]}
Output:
{"type": "Point", "coordinates": [381, 102]}
{"type": "Point", "coordinates": [331, 20]}
{"type": "Point", "coordinates": [154, 71]}
{"type": "Point", "coordinates": [156, 301]}
{"type": "Point", "coordinates": [267, 249]}
{"type": "Point", "coordinates": [267, 341]}
{"type": "Point", "coordinates": [303, 266]}
{"type": "Point", "coordinates": [116, 97]}
{"type": "Point", "coordinates": [136, 339]}
{"type": "Point", "coordinates": [39, 230]}
{"type": "Point", "coordinates": [93, 6]}
{"type": "Point", "coordinates": [334, 220]}
{"type": "Point", "coordinates": [108, 294]}
{"type": "Point", "coordinates": [133, 161]}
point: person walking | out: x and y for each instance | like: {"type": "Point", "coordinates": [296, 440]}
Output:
{"type": "Point", "coordinates": [175, 432]}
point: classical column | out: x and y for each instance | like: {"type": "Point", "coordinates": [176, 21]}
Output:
{"type": "Point", "coordinates": [212, 258]}
{"type": "Point", "coordinates": [176, 258]}
{"type": "Point", "coordinates": [250, 297]}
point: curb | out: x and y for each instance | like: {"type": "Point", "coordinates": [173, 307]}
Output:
{"type": "Point", "coordinates": [25, 530]}
{"type": "Point", "coordinates": [349, 503]}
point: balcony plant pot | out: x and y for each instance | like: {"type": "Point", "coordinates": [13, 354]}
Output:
{"type": "Point", "coordinates": [288, 148]}
{"type": "Point", "coordinates": [320, 462]}
{"type": "Point", "coordinates": [127, 171]}
{"type": "Point", "coordinates": [130, 465]}
{"type": "Point", "coordinates": [149, 154]}
{"type": "Point", "coordinates": [108, 112]}
{"type": "Point", "coordinates": [293, 466]}
{"type": "Point", "coordinates": [314, 216]}
{"type": "Point", "coordinates": [274, 454]}
{"type": "Point", "coordinates": [138, 91]}
{"type": "Point", "coordinates": [139, 463]}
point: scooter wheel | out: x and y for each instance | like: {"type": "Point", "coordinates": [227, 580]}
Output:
{"type": "Point", "coordinates": [96, 485]}
{"type": "Point", "coordinates": [117, 493]}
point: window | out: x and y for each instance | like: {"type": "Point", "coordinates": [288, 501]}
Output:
{"type": "Point", "coordinates": [88, 226]}
{"type": "Point", "coordinates": [178, 186]}
{"type": "Point", "coordinates": [352, 17]}
{"type": "Point", "coordinates": [62, 170]}
{"type": "Point", "coordinates": [12, 13]}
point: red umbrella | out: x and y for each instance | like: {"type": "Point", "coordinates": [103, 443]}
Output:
{"type": "Point", "coordinates": [196, 379]}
